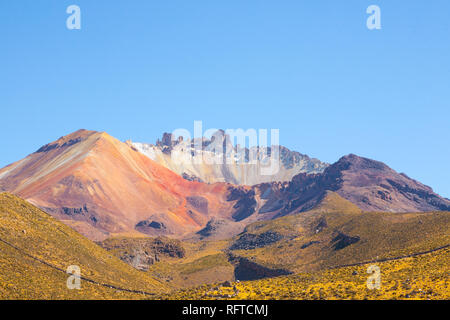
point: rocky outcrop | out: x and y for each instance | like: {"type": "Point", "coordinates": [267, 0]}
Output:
{"type": "Point", "coordinates": [309, 244]}
{"type": "Point", "coordinates": [212, 227]}
{"type": "Point", "coordinates": [218, 160]}
{"type": "Point", "coordinates": [141, 253]}
{"type": "Point", "coordinates": [219, 229]}
{"type": "Point", "coordinates": [190, 177]}
{"type": "Point", "coordinates": [149, 226]}
{"type": "Point", "coordinates": [342, 240]}
{"type": "Point", "coordinates": [246, 270]}
{"type": "Point", "coordinates": [245, 204]}
{"type": "Point", "coordinates": [249, 241]}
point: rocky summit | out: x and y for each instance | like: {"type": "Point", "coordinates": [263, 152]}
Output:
{"type": "Point", "coordinates": [218, 160]}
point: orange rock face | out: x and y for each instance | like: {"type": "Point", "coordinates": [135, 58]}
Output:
{"type": "Point", "coordinates": [99, 186]}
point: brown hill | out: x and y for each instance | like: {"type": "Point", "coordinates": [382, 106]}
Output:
{"type": "Point", "coordinates": [338, 233]}
{"type": "Point", "coordinates": [369, 184]}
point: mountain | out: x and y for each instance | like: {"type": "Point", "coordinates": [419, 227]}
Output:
{"type": "Point", "coordinates": [369, 184]}
{"type": "Point", "coordinates": [218, 160]}
{"type": "Point", "coordinates": [36, 250]}
{"type": "Point", "coordinates": [101, 186]}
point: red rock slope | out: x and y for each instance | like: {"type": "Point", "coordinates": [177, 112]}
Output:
{"type": "Point", "coordinates": [99, 185]}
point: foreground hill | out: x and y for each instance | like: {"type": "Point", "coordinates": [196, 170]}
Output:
{"type": "Point", "coordinates": [421, 277]}
{"type": "Point", "coordinates": [101, 186]}
{"type": "Point", "coordinates": [337, 233]}
{"type": "Point", "coordinates": [36, 249]}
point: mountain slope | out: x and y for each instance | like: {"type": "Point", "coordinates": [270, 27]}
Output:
{"type": "Point", "coordinates": [421, 277]}
{"type": "Point", "coordinates": [339, 233]}
{"type": "Point", "coordinates": [36, 249]}
{"type": "Point", "coordinates": [369, 184]}
{"type": "Point", "coordinates": [217, 160]}
{"type": "Point", "coordinates": [335, 233]}
{"type": "Point", "coordinates": [101, 186]}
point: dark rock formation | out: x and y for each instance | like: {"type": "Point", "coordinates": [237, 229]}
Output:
{"type": "Point", "coordinates": [212, 227]}
{"type": "Point", "coordinates": [52, 146]}
{"type": "Point", "coordinates": [246, 270]}
{"type": "Point", "coordinates": [141, 253]}
{"type": "Point", "coordinates": [249, 241]}
{"type": "Point", "coordinates": [190, 177]}
{"type": "Point", "coordinates": [308, 244]}
{"type": "Point", "coordinates": [245, 202]}
{"type": "Point", "coordinates": [321, 224]}
{"type": "Point", "coordinates": [342, 240]}
{"type": "Point", "coordinates": [149, 225]}
{"type": "Point", "coordinates": [198, 203]}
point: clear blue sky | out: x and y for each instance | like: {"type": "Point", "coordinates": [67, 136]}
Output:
{"type": "Point", "coordinates": [310, 68]}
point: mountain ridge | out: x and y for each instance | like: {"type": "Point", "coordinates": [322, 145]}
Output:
{"type": "Point", "coordinates": [218, 160]}
{"type": "Point", "coordinates": [370, 184]}
{"type": "Point", "coordinates": [103, 187]}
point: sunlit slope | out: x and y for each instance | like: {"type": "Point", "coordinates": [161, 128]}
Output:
{"type": "Point", "coordinates": [101, 186]}
{"type": "Point", "coordinates": [422, 277]}
{"type": "Point", "coordinates": [204, 270]}
{"type": "Point", "coordinates": [338, 233]}
{"type": "Point", "coordinates": [205, 262]}
{"type": "Point", "coordinates": [28, 234]}
{"type": "Point", "coordinates": [180, 264]}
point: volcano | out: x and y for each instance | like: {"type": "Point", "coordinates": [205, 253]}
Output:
{"type": "Point", "coordinates": [101, 186]}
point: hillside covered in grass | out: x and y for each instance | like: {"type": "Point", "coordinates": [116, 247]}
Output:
{"type": "Point", "coordinates": [425, 277]}
{"type": "Point", "coordinates": [36, 250]}
{"type": "Point", "coordinates": [313, 247]}
{"type": "Point", "coordinates": [180, 264]}
{"type": "Point", "coordinates": [337, 233]}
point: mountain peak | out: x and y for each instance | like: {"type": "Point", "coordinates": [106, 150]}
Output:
{"type": "Point", "coordinates": [216, 159]}
{"type": "Point", "coordinates": [357, 162]}
{"type": "Point", "coordinates": [67, 140]}
{"type": "Point", "coordinates": [100, 185]}
{"type": "Point", "coordinates": [79, 134]}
